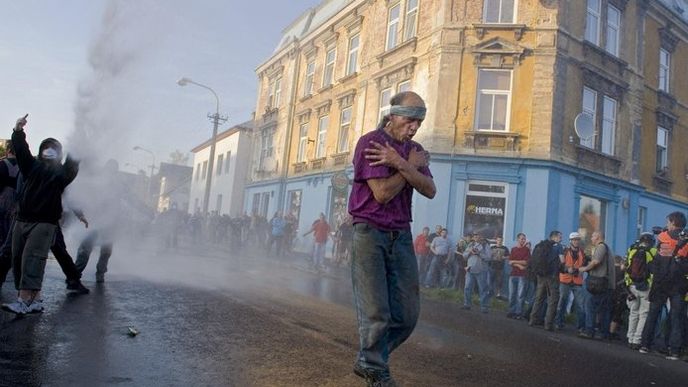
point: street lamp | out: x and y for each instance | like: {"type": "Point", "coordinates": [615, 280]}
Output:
{"type": "Point", "coordinates": [150, 181]}
{"type": "Point", "coordinates": [215, 118]}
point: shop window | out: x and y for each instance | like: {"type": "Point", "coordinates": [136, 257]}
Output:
{"type": "Point", "coordinates": [591, 218]}
{"type": "Point", "coordinates": [485, 209]}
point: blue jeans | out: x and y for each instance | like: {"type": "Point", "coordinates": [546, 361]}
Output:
{"type": "Point", "coordinates": [432, 275]}
{"type": "Point", "coordinates": [578, 304]}
{"type": "Point", "coordinates": [384, 273]}
{"type": "Point", "coordinates": [481, 279]}
{"type": "Point", "coordinates": [598, 304]}
{"type": "Point", "coordinates": [517, 293]}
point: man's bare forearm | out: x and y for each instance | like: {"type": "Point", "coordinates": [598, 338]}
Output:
{"type": "Point", "coordinates": [386, 189]}
{"type": "Point", "coordinates": [423, 184]}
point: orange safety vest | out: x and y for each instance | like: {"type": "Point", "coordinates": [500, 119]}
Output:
{"type": "Point", "coordinates": [567, 278]}
{"type": "Point", "coordinates": [667, 245]}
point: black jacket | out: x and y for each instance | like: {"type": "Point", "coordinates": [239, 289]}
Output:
{"type": "Point", "coordinates": [44, 183]}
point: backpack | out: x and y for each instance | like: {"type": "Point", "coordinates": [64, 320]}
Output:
{"type": "Point", "coordinates": [539, 263]}
{"type": "Point", "coordinates": [637, 269]}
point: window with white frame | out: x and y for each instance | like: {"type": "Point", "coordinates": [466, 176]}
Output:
{"type": "Point", "coordinates": [385, 96]}
{"type": "Point", "coordinates": [664, 69]}
{"type": "Point", "coordinates": [494, 100]}
{"type": "Point", "coordinates": [352, 58]}
{"type": "Point", "coordinates": [640, 224]}
{"type": "Point", "coordinates": [228, 159]}
{"type": "Point", "coordinates": [404, 86]}
{"type": "Point", "coordinates": [393, 26]}
{"type": "Point", "coordinates": [198, 171]}
{"type": "Point", "coordinates": [609, 108]}
{"type": "Point", "coordinates": [613, 30]}
{"type": "Point", "coordinates": [303, 143]}
{"type": "Point", "coordinates": [499, 11]}
{"type": "Point", "coordinates": [592, 21]}
{"type": "Point", "coordinates": [328, 74]}
{"type": "Point", "coordinates": [662, 149]}
{"type": "Point", "coordinates": [411, 19]}
{"type": "Point", "coordinates": [310, 75]}
{"type": "Point", "coordinates": [220, 163]}
{"type": "Point", "coordinates": [274, 92]}
{"type": "Point", "coordinates": [266, 146]}
{"type": "Point", "coordinates": [590, 107]}
{"type": "Point", "coordinates": [344, 127]}
{"type": "Point", "coordinates": [323, 123]}
{"type": "Point", "coordinates": [204, 174]}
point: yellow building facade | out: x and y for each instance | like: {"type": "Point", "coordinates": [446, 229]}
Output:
{"type": "Point", "coordinates": [504, 82]}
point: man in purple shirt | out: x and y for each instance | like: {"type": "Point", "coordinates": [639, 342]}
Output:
{"type": "Point", "coordinates": [388, 166]}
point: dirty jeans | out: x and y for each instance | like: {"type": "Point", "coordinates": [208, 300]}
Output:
{"type": "Point", "coordinates": [384, 273]}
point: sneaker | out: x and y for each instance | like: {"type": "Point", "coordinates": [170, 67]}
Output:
{"type": "Point", "coordinates": [77, 286]}
{"type": "Point", "coordinates": [585, 335]}
{"type": "Point", "coordinates": [634, 347]}
{"type": "Point", "coordinates": [673, 356]}
{"type": "Point", "coordinates": [19, 307]}
{"type": "Point", "coordinates": [644, 350]}
{"type": "Point", "coordinates": [466, 307]}
{"type": "Point", "coordinates": [35, 307]}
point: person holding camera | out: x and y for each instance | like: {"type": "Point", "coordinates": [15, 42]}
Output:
{"type": "Point", "coordinates": [476, 271]}
{"type": "Point", "coordinates": [638, 280]}
{"type": "Point", "coordinates": [571, 281]}
{"type": "Point", "coordinates": [669, 269]}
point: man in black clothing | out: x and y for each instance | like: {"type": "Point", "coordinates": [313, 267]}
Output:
{"type": "Point", "coordinates": [38, 214]}
{"type": "Point", "coordinates": [8, 204]}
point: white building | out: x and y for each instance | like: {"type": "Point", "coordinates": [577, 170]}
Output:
{"type": "Point", "coordinates": [228, 177]}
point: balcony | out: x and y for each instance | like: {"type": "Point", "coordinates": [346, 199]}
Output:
{"type": "Point", "coordinates": [594, 160]}
{"type": "Point", "coordinates": [318, 163]}
{"type": "Point", "coordinates": [504, 141]}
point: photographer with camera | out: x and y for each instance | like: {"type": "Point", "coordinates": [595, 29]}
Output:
{"type": "Point", "coordinates": [638, 280]}
{"type": "Point", "coordinates": [571, 280]}
{"type": "Point", "coordinates": [669, 269]}
{"type": "Point", "coordinates": [477, 265]}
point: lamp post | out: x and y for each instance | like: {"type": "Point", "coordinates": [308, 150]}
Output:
{"type": "Point", "coordinates": [216, 119]}
{"type": "Point", "coordinates": [150, 180]}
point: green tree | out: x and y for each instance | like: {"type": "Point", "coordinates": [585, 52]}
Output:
{"type": "Point", "coordinates": [179, 158]}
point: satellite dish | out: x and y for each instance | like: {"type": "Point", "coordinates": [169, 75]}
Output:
{"type": "Point", "coordinates": [584, 125]}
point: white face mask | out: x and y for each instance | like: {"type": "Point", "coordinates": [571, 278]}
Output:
{"type": "Point", "coordinates": [49, 154]}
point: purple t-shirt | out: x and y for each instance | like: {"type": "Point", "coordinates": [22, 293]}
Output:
{"type": "Point", "coordinates": [396, 214]}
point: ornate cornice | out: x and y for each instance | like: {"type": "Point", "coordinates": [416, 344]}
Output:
{"type": "Point", "coordinates": [499, 53]}
{"type": "Point", "coordinates": [668, 39]}
{"type": "Point", "coordinates": [399, 71]}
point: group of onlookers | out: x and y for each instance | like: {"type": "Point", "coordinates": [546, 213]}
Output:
{"type": "Point", "coordinates": [550, 284]}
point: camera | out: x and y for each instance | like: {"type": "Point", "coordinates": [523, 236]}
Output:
{"type": "Point", "coordinates": [658, 230]}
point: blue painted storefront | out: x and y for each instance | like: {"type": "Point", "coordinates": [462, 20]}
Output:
{"type": "Point", "coordinates": [538, 196]}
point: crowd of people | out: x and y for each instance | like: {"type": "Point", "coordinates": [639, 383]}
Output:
{"type": "Point", "coordinates": [550, 285]}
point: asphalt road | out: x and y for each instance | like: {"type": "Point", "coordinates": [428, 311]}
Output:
{"type": "Point", "coordinates": [205, 319]}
